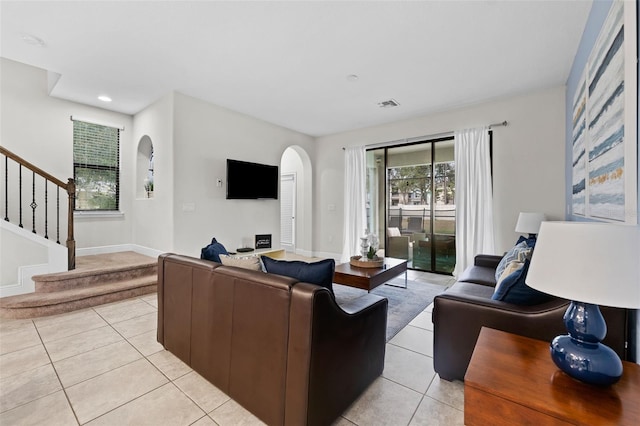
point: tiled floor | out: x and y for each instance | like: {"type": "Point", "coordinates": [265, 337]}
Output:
{"type": "Point", "coordinates": [103, 366]}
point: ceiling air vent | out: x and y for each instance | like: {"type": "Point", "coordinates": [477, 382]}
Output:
{"type": "Point", "coordinates": [388, 104]}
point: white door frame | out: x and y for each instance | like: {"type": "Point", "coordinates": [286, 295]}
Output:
{"type": "Point", "coordinates": [288, 246]}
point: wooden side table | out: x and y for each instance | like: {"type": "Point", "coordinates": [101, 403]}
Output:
{"type": "Point", "coordinates": [272, 253]}
{"type": "Point", "coordinates": [511, 380]}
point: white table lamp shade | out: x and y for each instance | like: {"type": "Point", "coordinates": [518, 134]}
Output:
{"type": "Point", "coordinates": [529, 223]}
{"type": "Point", "coordinates": [596, 263]}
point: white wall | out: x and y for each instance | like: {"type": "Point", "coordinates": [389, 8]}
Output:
{"type": "Point", "coordinates": [15, 252]}
{"type": "Point", "coordinates": [192, 140]}
{"type": "Point", "coordinates": [153, 217]}
{"type": "Point", "coordinates": [528, 161]}
{"type": "Point", "coordinates": [205, 135]}
{"type": "Point", "coordinates": [23, 255]}
{"type": "Point", "coordinates": [38, 128]}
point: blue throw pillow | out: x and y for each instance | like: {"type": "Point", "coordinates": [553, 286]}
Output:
{"type": "Point", "coordinates": [320, 273]}
{"type": "Point", "coordinates": [511, 255]}
{"type": "Point", "coordinates": [513, 289]}
{"type": "Point", "coordinates": [213, 251]}
{"type": "Point", "coordinates": [531, 242]}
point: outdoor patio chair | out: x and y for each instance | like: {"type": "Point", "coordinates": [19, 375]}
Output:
{"type": "Point", "coordinates": [415, 225]}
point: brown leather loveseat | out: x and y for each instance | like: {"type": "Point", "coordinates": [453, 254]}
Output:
{"type": "Point", "coordinates": [282, 349]}
{"type": "Point", "coordinates": [461, 311]}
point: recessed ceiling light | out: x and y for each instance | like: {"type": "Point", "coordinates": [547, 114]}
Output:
{"type": "Point", "coordinates": [33, 40]}
{"type": "Point", "coordinates": [104, 98]}
{"type": "Point", "coordinates": [352, 78]}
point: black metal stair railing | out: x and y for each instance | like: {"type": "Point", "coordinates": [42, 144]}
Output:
{"type": "Point", "coordinates": [39, 179]}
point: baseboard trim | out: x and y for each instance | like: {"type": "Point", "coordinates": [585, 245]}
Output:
{"type": "Point", "coordinates": [301, 252]}
{"type": "Point", "coordinates": [327, 255]}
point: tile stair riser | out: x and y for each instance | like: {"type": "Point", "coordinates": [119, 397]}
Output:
{"type": "Point", "coordinates": [86, 280]}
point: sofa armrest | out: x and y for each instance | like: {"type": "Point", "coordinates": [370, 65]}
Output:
{"type": "Point", "coordinates": [458, 318]}
{"type": "Point", "coordinates": [487, 260]}
{"type": "Point", "coordinates": [359, 304]}
{"type": "Point", "coordinates": [335, 353]}
{"type": "Point", "coordinates": [160, 285]}
{"type": "Point", "coordinates": [176, 278]}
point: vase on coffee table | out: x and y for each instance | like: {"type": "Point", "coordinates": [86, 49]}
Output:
{"type": "Point", "coordinates": [364, 246]}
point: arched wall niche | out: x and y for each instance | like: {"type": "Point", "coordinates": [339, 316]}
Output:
{"type": "Point", "coordinates": [144, 168]}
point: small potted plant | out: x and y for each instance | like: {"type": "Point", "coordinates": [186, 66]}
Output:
{"type": "Point", "coordinates": [148, 186]}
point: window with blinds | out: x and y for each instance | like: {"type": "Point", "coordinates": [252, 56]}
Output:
{"type": "Point", "coordinates": [96, 166]}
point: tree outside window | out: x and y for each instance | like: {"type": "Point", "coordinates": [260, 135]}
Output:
{"type": "Point", "coordinates": [412, 184]}
{"type": "Point", "coordinates": [96, 166]}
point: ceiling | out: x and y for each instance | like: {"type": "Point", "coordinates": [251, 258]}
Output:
{"type": "Point", "coordinates": [288, 62]}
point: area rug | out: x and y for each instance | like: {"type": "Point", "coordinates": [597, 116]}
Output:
{"type": "Point", "coordinates": [404, 304]}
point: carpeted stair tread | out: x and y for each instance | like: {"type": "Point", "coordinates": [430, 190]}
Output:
{"type": "Point", "coordinates": [110, 260]}
{"type": "Point", "coordinates": [67, 281]}
{"type": "Point", "coordinates": [59, 276]}
{"type": "Point", "coordinates": [97, 279]}
{"type": "Point", "coordinates": [45, 299]}
{"type": "Point", "coordinates": [94, 270]}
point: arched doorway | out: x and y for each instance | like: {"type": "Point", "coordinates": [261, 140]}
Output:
{"type": "Point", "coordinates": [296, 189]}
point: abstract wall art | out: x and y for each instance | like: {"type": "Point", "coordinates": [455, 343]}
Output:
{"type": "Point", "coordinates": [579, 159]}
{"type": "Point", "coordinates": [604, 130]}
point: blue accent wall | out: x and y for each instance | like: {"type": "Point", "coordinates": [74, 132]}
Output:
{"type": "Point", "coordinates": [599, 11]}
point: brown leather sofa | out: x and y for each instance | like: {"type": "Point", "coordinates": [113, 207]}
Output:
{"type": "Point", "coordinates": [282, 349]}
{"type": "Point", "coordinates": [466, 307]}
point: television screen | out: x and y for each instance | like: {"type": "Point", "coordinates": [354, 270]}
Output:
{"type": "Point", "coordinates": [251, 181]}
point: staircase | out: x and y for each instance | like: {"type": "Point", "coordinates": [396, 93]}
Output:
{"type": "Point", "coordinates": [97, 279]}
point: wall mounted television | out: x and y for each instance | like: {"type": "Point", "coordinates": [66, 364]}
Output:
{"type": "Point", "coordinates": [251, 181]}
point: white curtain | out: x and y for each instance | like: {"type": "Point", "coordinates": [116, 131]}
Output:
{"type": "Point", "coordinates": [474, 199]}
{"type": "Point", "coordinates": [355, 169]}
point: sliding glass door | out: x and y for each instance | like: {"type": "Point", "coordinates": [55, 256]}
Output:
{"type": "Point", "coordinates": [411, 193]}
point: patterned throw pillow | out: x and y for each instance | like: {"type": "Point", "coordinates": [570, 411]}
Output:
{"type": "Point", "coordinates": [513, 266]}
{"type": "Point", "coordinates": [248, 262]}
{"type": "Point", "coordinates": [511, 255]}
{"type": "Point", "coordinates": [515, 290]}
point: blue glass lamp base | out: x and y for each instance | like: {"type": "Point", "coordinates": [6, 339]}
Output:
{"type": "Point", "coordinates": [595, 364]}
{"type": "Point", "coordinates": [580, 354]}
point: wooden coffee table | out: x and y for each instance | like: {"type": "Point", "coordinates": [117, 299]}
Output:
{"type": "Point", "coordinates": [370, 278]}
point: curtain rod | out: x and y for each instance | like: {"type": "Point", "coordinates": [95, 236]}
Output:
{"type": "Point", "coordinates": [419, 138]}
{"type": "Point", "coordinates": [504, 123]}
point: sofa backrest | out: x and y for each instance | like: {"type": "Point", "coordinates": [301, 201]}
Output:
{"type": "Point", "coordinates": [282, 349]}
{"type": "Point", "coordinates": [231, 326]}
